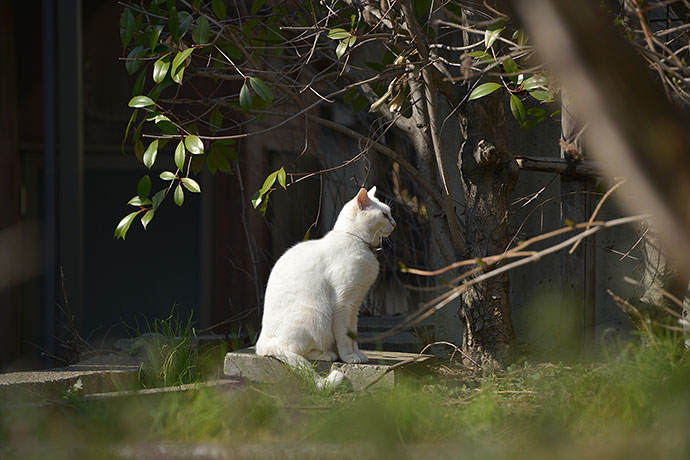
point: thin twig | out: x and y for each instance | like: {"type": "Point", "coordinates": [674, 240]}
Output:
{"type": "Point", "coordinates": [596, 211]}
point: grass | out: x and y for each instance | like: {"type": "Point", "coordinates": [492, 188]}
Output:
{"type": "Point", "coordinates": [171, 354]}
{"type": "Point", "coordinates": [634, 403]}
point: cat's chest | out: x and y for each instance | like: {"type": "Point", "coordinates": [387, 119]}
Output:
{"type": "Point", "coordinates": [358, 267]}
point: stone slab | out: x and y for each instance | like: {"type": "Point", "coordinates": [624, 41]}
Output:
{"type": "Point", "coordinates": [248, 365]}
{"type": "Point", "coordinates": [97, 375]}
{"type": "Point", "coordinates": [152, 392]}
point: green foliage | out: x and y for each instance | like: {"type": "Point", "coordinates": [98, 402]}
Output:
{"type": "Point", "coordinates": [260, 198]}
{"type": "Point", "coordinates": [261, 89]}
{"type": "Point", "coordinates": [484, 90]}
{"type": "Point", "coordinates": [160, 68]}
{"type": "Point", "coordinates": [123, 227]}
{"type": "Point", "coordinates": [633, 404]}
{"type": "Point", "coordinates": [140, 101]}
{"type": "Point", "coordinates": [169, 350]}
{"type": "Point", "coordinates": [493, 31]}
{"type": "Point", "coordinates": [168, 44]}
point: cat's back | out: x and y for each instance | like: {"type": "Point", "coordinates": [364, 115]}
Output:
{"type": "Point", "coordinates": [321, 258]}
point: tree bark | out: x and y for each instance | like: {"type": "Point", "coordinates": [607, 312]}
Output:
{"type": "Point", "coordinates": [489, 174]}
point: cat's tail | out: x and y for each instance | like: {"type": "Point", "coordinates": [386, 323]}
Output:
{"type": "Point", "coordinates": [304, 367]}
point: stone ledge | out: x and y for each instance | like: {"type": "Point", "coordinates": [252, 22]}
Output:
{"type": "Point", "coordinates": [248, 365]}
{"type": "Point", "coordinates": [99, 374]}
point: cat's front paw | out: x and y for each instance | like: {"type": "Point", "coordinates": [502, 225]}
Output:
{"type": "Point", "coordinates": [355, 358]}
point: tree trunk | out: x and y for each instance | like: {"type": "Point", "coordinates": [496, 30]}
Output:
{"type": "Point", "coordinates": [489, 174]}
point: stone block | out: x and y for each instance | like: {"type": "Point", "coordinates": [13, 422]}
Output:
{"type": "Point", "coordinates": [248, 365]}
{"type": "Point", "coordinates": [99, 374]}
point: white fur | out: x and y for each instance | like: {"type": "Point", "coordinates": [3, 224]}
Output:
{"type": "Point", "coordinates": [316, 288]}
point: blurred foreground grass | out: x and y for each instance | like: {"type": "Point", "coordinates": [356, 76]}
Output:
{"type": "Point", "coordinates": [635, 403]}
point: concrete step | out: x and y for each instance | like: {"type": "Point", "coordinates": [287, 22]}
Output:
{"type": "Point", "coordinates": [96, 375]}
{"type": "Point", "coordinates": [388, 367]}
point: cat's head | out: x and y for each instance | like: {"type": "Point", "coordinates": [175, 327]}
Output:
{"type": "Point", "coordinates": [366, 216]}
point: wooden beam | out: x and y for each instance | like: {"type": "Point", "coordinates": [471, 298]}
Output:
{"type": "Point", "coordinates": [583, 168]}
{"type": "Point", "coordinates": [577, 269]}
{"type": "Point", "coordinates": [71, 151]}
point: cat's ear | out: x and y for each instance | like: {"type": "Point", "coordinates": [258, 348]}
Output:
{"type": "Point", "coordinates": [363, 200]}
{"type": "Point", "coordinates": [372, 192]}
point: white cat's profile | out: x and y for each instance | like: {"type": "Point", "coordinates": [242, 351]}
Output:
{"type": "Point", "coordinates": [316, 288]}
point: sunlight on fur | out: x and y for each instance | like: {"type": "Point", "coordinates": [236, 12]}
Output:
{"type": "Point", "coordinates": [316, 288]}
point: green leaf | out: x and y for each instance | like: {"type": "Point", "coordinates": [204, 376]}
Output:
{"type": "Point", "coordinates": [216, 119]}
{"type": "Point", "coordinates": [220, 160]}
{"type": "Point", "coordinates": [132, 119]}
{"type": "Point", "coordinates": [140, 101]}
{"type": "Point", "coordinates": [484, 89]}
{"type": "Point", "coordinates": [256, 6]}
{"type": "Point", "coordinates": [535, 82]}
{"type": "Point", "coordinates": [282, 177]}
{"type": "Point", "coordinates": [185, 22]}
{"type": "Point", "coordinates": [511, 68]}
{"type": "Point", "coordinates": [167, 175]}
{"type": "Point", "coordinates": [180, 155]}
{"type": "Point", "coordinates": [492, 32]}
{"type": "Point", "coordinates": [340, 50]}
{"type": "Point", "coordinates": [520, 36]}
{"type": "Point", "coordinates": [150, 154]}
{"type": "Point", "coordinates": [127, 27]}
{"type": "Point", "coordinates": [542, 95]}
{"type": "Point", "coordinates": [359, 103]}
{"type": "Point", "coordinates": [191, 185]}
{"type": "Point", "coordinates": [218, 7]}
{"type": "Point", "coordinates": [136, 201]}
{"type": "Point", "coordinates": [211, 161]}
{"type": "Point", "coordinates": [155, 37]}
{"type": "Point", "coordinates": [477, 54]}
{"type": "Point", "coordinates": [158, 198]}
{"type": "Point", "coordinates": [179, 195]}
{"type": "Point", "coordinates": [257, 199]}
{"type": "Point", "coordinates": [139, 150]}
{"type": "Point", "coordinates": [178, 76]}
{"type": "Point", "coordinates": [197, 163]}
{"type": "Point", "coordinates": [349, 95]}
{"type": "Point", "coordinates": [261, 89]}
{"type": "Point", "coordinates": [138, 87]}
{"type": "Point", "coordinates": [264, 205]}
{"type": "Point", "coordinates": [164, 124]}
{"type": "Point", "coordinates": [194, 144]}
{"type": "Point", "coordinates": [344, 45]}
{"type": "Point", "coordinates": [338, 34]}
{"type": "Point", "coordinates": [268, 183]}
{"type": "Point", "coordinates": [556, 113]}
{"type": "Point", "coordinates": [132, 64]}
{"type": "Point", "coordinates": [123, 226]}
{"type": "Point", "coordinates": [245, 98]}
{"type": "Point", "coordinates": [306, 234]}
{"type": "Point", "coordinates": [517, 108]}
{"type": "Point", "coordinates": [177, 68]}
{"type": "Point", "coordinates": [537, 112]}
{"type": "Point", "coordinates": [173, 22]}
{"type": "Point", "coordinates": [160, 68]}
{"type": "Point", "coordinates": [144, 187]}
{"type": "Point", "coordinates": [147, 218]}
{"type": "Point", "coordinates": [178, 65]}
{"type": "Point", "coordinates": [201, 32]}
{"type": "Point", "coordinates": [530, 123]}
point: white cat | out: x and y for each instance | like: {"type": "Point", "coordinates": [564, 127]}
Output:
{"type": "Point", "coordinates": [316, 288]}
